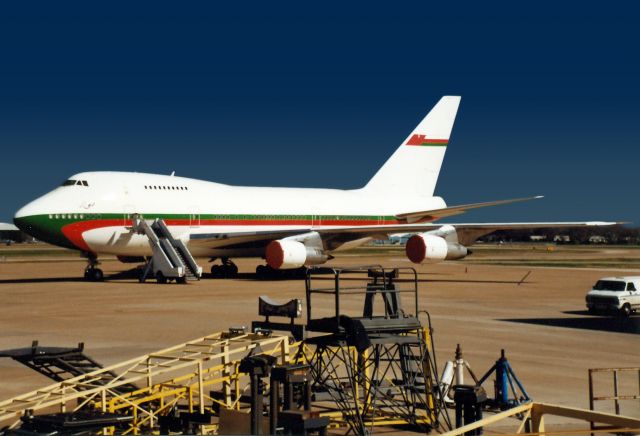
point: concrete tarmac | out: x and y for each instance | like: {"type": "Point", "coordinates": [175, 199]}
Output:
{"type": "Point", "coordinates": [542, 324]}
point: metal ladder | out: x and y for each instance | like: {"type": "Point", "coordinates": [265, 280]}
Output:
{"type": "Point", "coordinates": [171, 258]}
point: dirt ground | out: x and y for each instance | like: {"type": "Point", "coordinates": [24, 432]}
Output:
{"type": "Point", "coordinates": [541, 322]}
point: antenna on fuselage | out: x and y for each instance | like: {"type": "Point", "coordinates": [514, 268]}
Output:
{"type": "Point", "coordinates": [173, 173]}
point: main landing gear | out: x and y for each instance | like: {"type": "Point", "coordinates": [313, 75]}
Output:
{"type": "Point", "coordinates": [227, 270]}
{"type": "Point", "coordinates": [91, 272]}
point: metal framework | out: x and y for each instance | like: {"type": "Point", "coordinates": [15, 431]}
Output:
{"type": "Point", "coordinates": [182, 375]}
{"type": "Point", "coordinates": [381, 386]}
{"type": "Point", "coordinates": [531, 420]}
{"type": "Point", "coordinates": [375, 365]}
{"type": "Point", "coordinates": [615, 379]}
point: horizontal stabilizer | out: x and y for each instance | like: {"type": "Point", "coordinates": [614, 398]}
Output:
{"type": "Point", "coordinates": [432, 215]}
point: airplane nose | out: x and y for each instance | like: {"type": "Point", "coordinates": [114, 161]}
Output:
{"type": "Point", "coordinates": [23, 218]}
{"type": "Point", "coordinates": [35, 220]}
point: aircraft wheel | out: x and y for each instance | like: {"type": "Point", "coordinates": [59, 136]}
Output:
{"type": "Point", "coordinates": [216, 271]}
{"type": "Point", "coordinates": [94, 275]}
{"type": "Point", "coordinates": [231, 270]}
{"type": "Point", "coordinates": [160, 277]}
{"type": "Point", "coordinates": [261, 271]}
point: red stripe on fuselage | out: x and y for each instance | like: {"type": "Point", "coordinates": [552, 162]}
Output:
{"type": "Point", "coordinates": [74, 231]}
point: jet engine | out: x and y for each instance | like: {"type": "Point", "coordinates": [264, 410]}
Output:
{"type": "Point", "coordinates": [287, 254]}
{"type": "Point", "coordinates": [428, 248]}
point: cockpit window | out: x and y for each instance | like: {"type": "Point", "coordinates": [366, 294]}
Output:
{"type": "Point", "coordinates": [72, 182]}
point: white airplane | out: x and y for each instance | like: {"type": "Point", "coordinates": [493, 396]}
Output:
{"type": "Point", "coordinates": [288, 227]}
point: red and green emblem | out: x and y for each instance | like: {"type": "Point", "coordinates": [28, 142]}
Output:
{"type": "Point", "coordinates": [423, 140]}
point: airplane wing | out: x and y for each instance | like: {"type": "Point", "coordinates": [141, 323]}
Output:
{"type": "Point", "coordinates": [436, 214]}
{"type": "Point", "coordinates": [467, 232]}
{"type": "Point", "coordinates": [337, 235]}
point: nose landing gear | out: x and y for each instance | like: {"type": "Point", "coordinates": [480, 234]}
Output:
{"type": "Point", "coordinates": [227, 270]}
{"type": "Point", "coordinates": [91, 272]}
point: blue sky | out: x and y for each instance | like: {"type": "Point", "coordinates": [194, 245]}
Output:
{"type": "Point", "coordinates": [320, 94]}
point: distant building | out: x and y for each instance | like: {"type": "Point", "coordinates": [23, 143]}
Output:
{"type": "Point", "coordinates": [562, 238]}
{"type": "Point", "coordinates": [10, 233]}
{"type": "Point", "coordinates": [597, 239]}
{"type": "Point", "coordinates": [538, 238]}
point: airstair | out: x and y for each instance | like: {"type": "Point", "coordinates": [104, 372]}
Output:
{"type": "Point", "coordinates": [171, 258]}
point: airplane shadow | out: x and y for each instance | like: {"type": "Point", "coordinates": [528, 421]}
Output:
{"type": "Point", "coordinates": [613, 323]}
{"type": "Point", "coordinates": [124, 275]}
{"type": "Point", "coordinates": [250, 276]}
{"type": "Point", "coordinates": [254, 277]}
{"type": "Point", "coordinates": [42, 280]}
{"type": "Point", "coordinates": [513, 282]}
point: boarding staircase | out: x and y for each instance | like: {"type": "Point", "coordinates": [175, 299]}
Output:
{"type": "Point", "coordinates": [63, 363]}
{"type": "Point", "coordinates": [171, 258]}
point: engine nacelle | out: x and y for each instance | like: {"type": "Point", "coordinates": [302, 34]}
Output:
{"type": "Point", "coordinates": [282, 254]}
{"type": "Point", "coordinates": [431, 249]}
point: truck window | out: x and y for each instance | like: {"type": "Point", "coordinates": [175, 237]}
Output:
{"type": "Point", "coordinates": [631, 286]}
{"type": "Point", "coordinates": [609, 285]}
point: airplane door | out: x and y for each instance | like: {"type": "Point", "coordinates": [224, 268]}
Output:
{"type": "Point", "coordinates": [194, 218]}
{"type": "Point", "coordinates": [129, 210]}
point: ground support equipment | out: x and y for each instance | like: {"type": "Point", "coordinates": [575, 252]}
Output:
{"type": "Point", "coordinates": [172, 383]}
{"type": "Point", "coordinates": [372, 364]}
{"type": "Point", "coordinates": [509, 391]}
{"type": "Point", "coordinates": [62, 363]}
{"type": "Point", "coordinates": [171, 259]}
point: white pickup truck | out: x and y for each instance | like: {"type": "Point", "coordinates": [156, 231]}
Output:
{"type": "Point", "coordinates": [615, 294]}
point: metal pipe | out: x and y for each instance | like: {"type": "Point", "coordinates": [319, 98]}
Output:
{"type": "Point", "coordinates": [273, 406]}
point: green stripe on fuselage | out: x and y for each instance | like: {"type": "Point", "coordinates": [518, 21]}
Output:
{"type": "Point", "coordinates": [48, 228]}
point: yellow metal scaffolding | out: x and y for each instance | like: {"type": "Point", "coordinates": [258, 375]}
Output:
{"type": "Point", "coordinates": [183, 374]}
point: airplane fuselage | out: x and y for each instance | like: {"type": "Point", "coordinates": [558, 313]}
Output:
{"type": "Point", "coordinates": [93, 213]}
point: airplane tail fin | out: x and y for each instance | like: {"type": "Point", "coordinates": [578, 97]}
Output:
{"type": "Point", "coordinates": [414, 167]}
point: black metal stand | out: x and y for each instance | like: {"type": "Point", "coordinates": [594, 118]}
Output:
{"type": "Point", "coordinates": [469, 402]}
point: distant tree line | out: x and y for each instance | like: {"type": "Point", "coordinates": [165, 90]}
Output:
{"type": "Point", "coordinates": [578, 235]}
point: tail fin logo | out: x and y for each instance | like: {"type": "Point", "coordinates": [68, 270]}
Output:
{"type": "Point", "coordinates": [424, 141]}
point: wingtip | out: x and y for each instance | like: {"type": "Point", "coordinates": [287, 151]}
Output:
{"type": "Point", "coordinates": [607, 223]}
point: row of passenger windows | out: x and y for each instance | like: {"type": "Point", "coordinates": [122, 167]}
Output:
{"type": "Point", "coordinates": [174, 188]}
{"type": "Point", "coordinates": [75, 182]}
{"type": "Point", "coordinates": [65, 216]}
